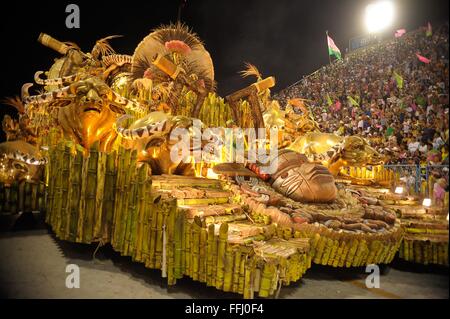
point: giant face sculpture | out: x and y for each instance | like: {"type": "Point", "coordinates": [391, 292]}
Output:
{"type": "Point", "coordinates": [302, 181]}
{"type": "Point", "coordinates": [87, 110]}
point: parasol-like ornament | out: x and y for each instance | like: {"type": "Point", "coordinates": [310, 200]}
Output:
{"type": "Point", "coordinates": [166, 40]}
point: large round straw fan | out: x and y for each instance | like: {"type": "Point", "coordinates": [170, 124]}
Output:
{"type": "Point", "coordinates": [194, 57]}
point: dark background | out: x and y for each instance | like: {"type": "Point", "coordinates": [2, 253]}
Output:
{"type": "Point", "coordinates": [284, 38]}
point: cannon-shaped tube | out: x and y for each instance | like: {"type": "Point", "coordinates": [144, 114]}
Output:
{"type": "Point", "coordinates": [54, 44]}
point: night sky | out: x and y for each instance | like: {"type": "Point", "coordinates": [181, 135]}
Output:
{"type": "Point", "coordinates": [282, 38]}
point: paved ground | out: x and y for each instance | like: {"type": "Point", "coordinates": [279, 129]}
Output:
{"type": "Point", "coordinates": [33, 264]}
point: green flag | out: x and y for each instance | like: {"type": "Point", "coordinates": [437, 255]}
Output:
{"type": "Point", "coordinates": [399, 80]}
{"type": "Point", "coordinates": [352, 100]}
{"type": "Point", "coordinates": [329, 101]}
{"type": "Point", "coordinates": [333, 49]}
{"type": "Point", "coordinates": [429, 31]}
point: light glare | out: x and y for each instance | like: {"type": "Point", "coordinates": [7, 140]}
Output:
{"type": "Point", "coordinates": [379, 15]}
{"type": "Point", "coordinates": [426, 202]}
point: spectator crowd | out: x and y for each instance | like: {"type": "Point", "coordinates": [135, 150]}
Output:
{"type": "Point", "coordinates": [384, 93]}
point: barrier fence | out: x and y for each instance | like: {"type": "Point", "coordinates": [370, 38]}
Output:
{"type": "Point", "coordinates": [416, 180]}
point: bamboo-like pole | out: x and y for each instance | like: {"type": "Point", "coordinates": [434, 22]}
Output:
{"type": "Point", "coordinates": [228, 273]}
{"type": "Point", "coordinates": [99, 197]}
{"type": "Point", "coordinates": [195, 251]}
{"type": "Point", "coordinates": [142, 174]}
{"type": "Point", "coordinates": [90, 194]}
{"type": "Point", "coordinates": [82, 204]}
{"type": "Point", "coordinates": [76, 181]}
{"type": "Point", "coordinates": [209, 254]}
{"type": "Point", "coordinates": [223, 236]}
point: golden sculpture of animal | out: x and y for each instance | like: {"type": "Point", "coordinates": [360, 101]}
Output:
{"type": "Point", "coordinates": [298, 124]}
{"type": "Point", "coordinates": [20, 161]}
{"type": "Point", "coordinates": [155, 137]}
{"type": "Point", "coordinates": [335, 151]}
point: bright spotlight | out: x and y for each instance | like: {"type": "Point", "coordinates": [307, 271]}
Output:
{"type": "Point", "coordinates": [426, 202]}
{"type": "Point", "coordinates": [379, 15]}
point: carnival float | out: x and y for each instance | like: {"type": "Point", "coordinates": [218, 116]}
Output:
{"type": "Point", "coordinates": [92, 148]}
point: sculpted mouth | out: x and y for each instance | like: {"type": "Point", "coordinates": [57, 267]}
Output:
{"type": "Point", "coordinates": [91, 109]}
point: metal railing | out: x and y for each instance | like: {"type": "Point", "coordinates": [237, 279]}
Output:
{"type": "Point", "coordinates": [419, 177]}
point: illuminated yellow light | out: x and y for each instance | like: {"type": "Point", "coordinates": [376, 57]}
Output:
{"type": "Point", "coordinates": [399, 190]}
{"type": "Point", "coordinates": [426, 202]}
{"type": "Point", "coordinates": [211, 175]}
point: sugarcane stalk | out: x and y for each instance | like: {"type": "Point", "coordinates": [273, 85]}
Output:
{"type": "Point", "coordinates": [244, 259]}
{"type": "Point", "coordinates": [236, 268]}
{"type": "Point", "coordinates": [188, 232]}
{"type": "Point", "coordinates": [148, 217]}
{"type": "Point", "coordinates": [75, 186]}
{"type": "Point", "coordinates": [109, 197]}
{"type": "Point", "coordinates": [352, 252]}
{"type": "Point", "coordinates": [209, 254]}
{"type": "Point", "coordinates": [159, 235]}
{"type": "Point", "coordinates": [129, 205]}
{"type": "Point", "coordinates": [99, 196]}
{"type": "Point", "coordinates": [179, 235]}
{"type": "Point", "coordinates": [223, 235]}
{"type": "Point", "coordinates": [90, 194]}
{"type": "Point", "coordinates": [117, 203]}
{"type": "Point", "coordinates": [248, 281]}
{"type": "Point", "coordinates": [195, 251]}
{"type": "Point", "coordinates": [228, 273]}
{"type": "Point", "coordinates": [268, 273]}
{"type": "Point", "coordinates": [202, 254]}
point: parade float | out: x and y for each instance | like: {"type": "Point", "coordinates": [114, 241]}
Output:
{"type": "Point", "coordinates": [102, 125]}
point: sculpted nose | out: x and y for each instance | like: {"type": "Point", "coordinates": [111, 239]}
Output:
{"type": "Point", "coordinates": [92, 95]}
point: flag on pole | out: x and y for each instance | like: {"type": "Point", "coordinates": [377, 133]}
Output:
{"type": "Point", "coordinates": [429, 32]}
{"type": "Point", "coordinates": [332, 48]}
{"type": "Point", "coordinates": [352, 100]}
{"type": "Point", "coordinates": [423, 59]}
{"type": "Point", "coordinates": [399, 80]}
{"type": "Point", "coordinates": [329, 101]}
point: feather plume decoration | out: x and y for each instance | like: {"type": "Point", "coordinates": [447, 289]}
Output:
{"type": "Point", "coordinates": [251, 70]}
{"type": "Point", "coordinates": [177, 31]}
{"type": "Point", "coordinates": [15, 102]}
{"type": "Point", "coordinates": [102, 47]}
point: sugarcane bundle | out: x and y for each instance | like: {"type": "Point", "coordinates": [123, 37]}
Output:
{"type": "Point", "coordinates": [215, 112]}
{"type": "Point", "coordinates": [169, 182]}
{"type": "Point", "coordinates": [328, 231]}
{"type": "Point", "coordinates": [212, 210]}
{"type": "Point", "coordinates": [425, 250]}
{"type": "Point", "coordinates": [63, 229]}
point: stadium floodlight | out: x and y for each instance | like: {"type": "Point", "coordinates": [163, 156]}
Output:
{"type": "Point", "coordinates": [379, 15]}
